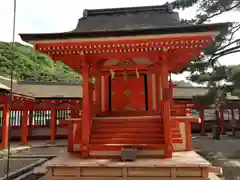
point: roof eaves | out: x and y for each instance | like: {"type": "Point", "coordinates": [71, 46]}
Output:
{"type": "Point", "coordinates": [128, 32]}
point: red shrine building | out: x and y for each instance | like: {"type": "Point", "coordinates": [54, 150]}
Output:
{"type": "Point", "coordinates": [125, 56]}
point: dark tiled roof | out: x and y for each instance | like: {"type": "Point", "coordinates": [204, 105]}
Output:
{"type": "Point", "coordinates": [133, 18]}
{"type": "Point", "coordinates": [131, 21]}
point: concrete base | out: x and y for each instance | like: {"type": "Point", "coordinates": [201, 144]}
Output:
{"type": "Point", "coordinates": [183, 166]}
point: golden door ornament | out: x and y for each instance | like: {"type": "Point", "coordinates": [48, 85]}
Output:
{"type": "Point", "coordinates": [128, 92]}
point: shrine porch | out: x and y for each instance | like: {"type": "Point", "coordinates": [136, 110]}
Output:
{"type": "Point", "coordinates": [182, 166]}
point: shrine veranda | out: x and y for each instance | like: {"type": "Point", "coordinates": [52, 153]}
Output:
{"type": "Point", "coordinates": [129, 53]}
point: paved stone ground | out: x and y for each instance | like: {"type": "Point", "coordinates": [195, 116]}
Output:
{"type": "Point", "coordinates": [223, 153]}
{"type": "Point", "coordinates": [48, 151]}
{"type": "Point", "coordinates": [14, 165]}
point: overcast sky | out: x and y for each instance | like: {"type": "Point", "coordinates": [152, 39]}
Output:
{"type": "Point", "coordinates": [38, 16]}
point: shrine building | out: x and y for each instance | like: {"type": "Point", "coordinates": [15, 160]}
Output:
{"type": "Point", "coordinates": [125, 56]}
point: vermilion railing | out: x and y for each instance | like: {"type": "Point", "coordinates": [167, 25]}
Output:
{"type": "Point", "coordinates": [38, 118]}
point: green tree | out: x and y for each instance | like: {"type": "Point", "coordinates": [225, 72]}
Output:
{"type": "Point", "coordinates": [206, 69]}
{"type": "Point", "coordinates": [32, 65]}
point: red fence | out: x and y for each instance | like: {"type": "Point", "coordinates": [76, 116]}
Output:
{"type": "Point", "coordinates": [39, 118]}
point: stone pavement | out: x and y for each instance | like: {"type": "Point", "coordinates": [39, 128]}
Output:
{"type": "Point", "coordinates": [224, 153]}
{"type": "Point", "coordinates": [16, 147]}
{"type": "Point", "coordinates": [14, 165]}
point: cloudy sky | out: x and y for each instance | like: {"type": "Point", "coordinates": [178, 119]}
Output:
{"type": "Point", "coordinates": [38, 16]}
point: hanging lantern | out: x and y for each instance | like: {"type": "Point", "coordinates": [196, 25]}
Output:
{"type": "Point", "coordinates": [137, 73]}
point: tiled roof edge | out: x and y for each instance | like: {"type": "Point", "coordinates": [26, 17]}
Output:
{"type": "Point", "coordinates": [95, 12]}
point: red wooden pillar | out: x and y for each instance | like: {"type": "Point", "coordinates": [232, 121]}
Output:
{"type": "Point", "coordinates": [91, 107]}
{"type": "Point", "coordinates": [86, 107]}
{"type": "Point", "coordinates": [106, 94]}
{"type": "Point", "coordinates": [53, 124]}
{"type": "Point", "coordinates": [158, 100]}
{"type": "Point", "coordinates": [5, 126]}
{"type": "Point", "coordinates": [24, 126]}
{"type": "Point", "coordinates": [171, 92]}
{"type": "Point", "coordinates": [70, 136]}
{"type": "Point", "coordinates": [98, 94]}
{"type": "Point", "coordinates": [201, 113]}
{"type": "Point", "coordinates": [222, 124]}
{"type": "Point", "coordinates": [166, 111]}
{"type": "Point", "coordinates": [150, 102]}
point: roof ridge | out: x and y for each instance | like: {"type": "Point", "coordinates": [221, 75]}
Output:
{"type": "Point", "coordinates": [94, 12]}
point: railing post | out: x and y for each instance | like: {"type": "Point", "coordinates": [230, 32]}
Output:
{"type": "Point", "coordinates": [24, 127]}
{"type": "Point", "coordinates": [53, 123]}
{"type": "Point", "coordinates": [30, 125]}
{"type": "Point", "coordinates": [201, 113]}
{"type": "Point", "coordinates": [222, 124]}
{"type": "Point", "coordinates": [5, 125]}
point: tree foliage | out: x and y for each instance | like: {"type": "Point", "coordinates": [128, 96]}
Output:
{"type": "Point", "coordinates": [32, 66]}
{"type": "Point", "coordinates": [206, 68]}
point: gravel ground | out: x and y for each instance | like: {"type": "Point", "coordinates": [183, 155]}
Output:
{"type": "Point", "coordinates": [223, 153]}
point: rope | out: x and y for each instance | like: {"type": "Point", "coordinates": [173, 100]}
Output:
{"type": "Point", "coordinates": [11, 87]}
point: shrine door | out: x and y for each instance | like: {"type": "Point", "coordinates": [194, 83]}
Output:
{"type": "Point", "coordinates": [128, 94]}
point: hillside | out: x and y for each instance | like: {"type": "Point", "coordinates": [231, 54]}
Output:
{"type": "Point", "coordinates": [33, 66]}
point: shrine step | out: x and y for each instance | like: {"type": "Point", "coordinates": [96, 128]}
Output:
{"type": "Point", "coordinates": [137, 135]}
{"type": "Point", "coordinates": [129, 140]}
{"type": "Point", "coordinates": [131, 130]}
{"type": "Point", "coordinates": [134, 131]}
{"type": "Point", "coordinates": [130, 124]}
{"type": "Point", "coordinates": [133, 140]}
{"type": "Point", "coordinates": [118, 147]}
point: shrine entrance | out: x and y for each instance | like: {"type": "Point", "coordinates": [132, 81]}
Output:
{"type": "Point", "coordinates": [128, 93]}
